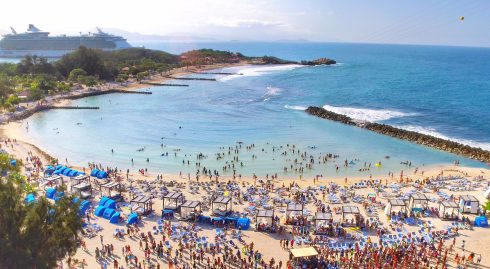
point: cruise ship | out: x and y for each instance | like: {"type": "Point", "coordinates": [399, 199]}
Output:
{"type": "Point", "coordinates": [40, 43]}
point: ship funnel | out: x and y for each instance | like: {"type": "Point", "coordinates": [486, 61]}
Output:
{"type": "Point", "coordinates": [33, 29]}
{"type": "Point", "coordinates": [99, 30]}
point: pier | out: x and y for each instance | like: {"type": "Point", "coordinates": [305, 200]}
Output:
{"type": "Point", "coordinates": [166, 84]}
{"type": "Point", "coordinates": [218, 73]}
{"type": "Point", "coordinates": [71, 107]}
{"type": "Point", "coordinates": [96, 93]}
{"type": "Point", "coordinates": [204, 79]}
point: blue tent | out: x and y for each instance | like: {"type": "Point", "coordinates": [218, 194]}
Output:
{"type": "Point", "coordinates": [50, 193]}
{"type": "Point", "coordinates": [204, 219]}
{"type": "Point", "coordinates": [231, 220]}
{"type": "Point", "coordinates": [84, 206]}
{"type": "Point", "coordinates": [115, 218]}
{"type": "Point", "coordinates": [99, 211]}
{"type": "Point", "coordinates": [72, 173]}
{"type": "Point", "coordinates": [58, 195]}
{"type": "Point", "coordinates": [110, 204]}
{"type": "Point", "coordinates": [108, 213]}
{"type": "Point", "coordinates": [94, 173]}
{"type": "Point", "coordinates": [481, 221]}
{"type": "Point", "coordinates": [103, 200]}
{"type": "Point", "coordinates": [243, 223]}
{"type": "Point", "coordinates": [49, 170]}
{"type": "Point", "coordinates": [62, 169]}
{"type": "Point", "coordinates": [133, 218]}
{"type": "Point", "coordinates": [30, 198]}
{"type": "Point", "coordinates": [66, 172]}
{"type": "Point", "coordinates": [13, 162]}
{"type": "Point", "coordinates": [102, 174]}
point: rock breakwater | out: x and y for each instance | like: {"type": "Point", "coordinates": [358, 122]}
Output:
{"type": "Point", "coordinates": [411, 136]}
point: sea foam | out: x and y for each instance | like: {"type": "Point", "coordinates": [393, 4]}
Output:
{"type": "Point", "coordinates": [254, 71]}
{"type": "Point", "coordinates": [302, 108]}
{"type": "Point", "coordinates": [435, 133]}
{"type": "Point", "coordinates": [370, 115]}
{"type": "Point", "coordinates": [273, 91]}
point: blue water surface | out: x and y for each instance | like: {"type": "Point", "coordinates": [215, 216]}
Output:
{"type": "Point", "coordinates": [443, 91]}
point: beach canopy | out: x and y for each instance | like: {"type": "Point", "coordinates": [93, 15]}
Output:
{"type": "Point", "coordinates": [49, 168]}
{"type": "Point", "coordinates": [133, 218]}
{"type": "Point", "coordinates": [102, 174]}
{"type": "Point", "coordinates": [243, 223]}
{"type": "Point", "coordinates": [59, 170]}
{"type": "Point", "coordinates": [110, 204]}
{"type": "Point", "coordinates": [108, 213]}
{"type": "Point", "coordinates": [94, 173]}
{"type": "Point", "coordinates": [103, 200]}
{"type": "Point", "coordinates": [30, 198]}
{"type": "Point", "coordinates": [481, 221]}
{"type": "Point", "coordinates": [115, 218]}
{"type": "Point", "coordinates": [304, 252]}
{"type": "Point", "coordinates": [99, 211]}
{"type": "Point", "coordinates": [84, 206]}
{"type": "Point", "coordinates": [50, 193]}
{"type": "Point", "coordinates": [72, 173]}
{"type": "Point", "coordinates": [58, 195]}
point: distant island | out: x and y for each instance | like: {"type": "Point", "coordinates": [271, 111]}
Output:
{"type": "Point", "coordinates": [415, 137]}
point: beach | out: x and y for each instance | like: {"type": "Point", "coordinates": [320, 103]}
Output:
{"type": "Point", "coordinates": [243, 135]}
{"type": "Point", "coordinates": [475, 239]}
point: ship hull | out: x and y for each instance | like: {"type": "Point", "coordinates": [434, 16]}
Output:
{"type": "Point", "coordinates": [39, 53]}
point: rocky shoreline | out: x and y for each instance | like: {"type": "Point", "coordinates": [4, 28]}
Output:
{"type": "Point", "coordinates": [422, 139]}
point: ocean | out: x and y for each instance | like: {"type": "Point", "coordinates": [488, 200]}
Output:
{"type": "Point", "coordinates": [442, 91]}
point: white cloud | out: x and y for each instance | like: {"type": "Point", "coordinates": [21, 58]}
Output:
{"type": "Point", "coordinates": [248, 23]}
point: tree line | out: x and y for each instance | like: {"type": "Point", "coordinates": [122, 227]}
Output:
{"type": "Point", "coordinates": [35, 77]}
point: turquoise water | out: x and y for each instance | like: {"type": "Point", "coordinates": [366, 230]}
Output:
{"type": "Point", "coordinates": [443, 91]}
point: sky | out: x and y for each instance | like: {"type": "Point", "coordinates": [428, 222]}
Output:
{"type": "Point", "coordinates": [435, 22]}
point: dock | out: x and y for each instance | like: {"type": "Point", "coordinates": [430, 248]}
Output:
{"type": "Point", "coordinates": [129, 91]}
{"type": "Point", "coordinates": [203, 79]}
{"type": "Point", "coordinates": [218, 73]}
{"type": "Point", "coordinates": [96, 93]}
{"type": "Point", "coordinates": [166, 84]}
{"type": "Point", "coordinates": [72, 107]}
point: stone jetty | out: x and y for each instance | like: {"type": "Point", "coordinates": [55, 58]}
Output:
{"type": "Point", "coordinates": [415, 137]}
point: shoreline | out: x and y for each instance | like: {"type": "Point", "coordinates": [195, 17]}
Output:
{"type": "Point", "coordinates": [57, 100]}
{"type": "Point", "coordinates": [13, 130]}
{"type": "Point", "coordinates": [410, 136]}
{"type": "Point", "coordinates": [25, 143]}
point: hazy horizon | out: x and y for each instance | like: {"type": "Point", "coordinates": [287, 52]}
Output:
{"type": "Point", "coordinates": [381, 21]}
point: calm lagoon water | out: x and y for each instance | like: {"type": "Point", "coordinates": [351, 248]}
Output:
{"type": "Point", "coordinates": [443, 91]}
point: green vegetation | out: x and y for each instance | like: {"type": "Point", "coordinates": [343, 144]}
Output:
{"type": "Point", "coordinates": [34, 235]}
{"type": "Point", "coordinates": [209, 56]}
{"type": "Point", "coordinates": [35, 78]}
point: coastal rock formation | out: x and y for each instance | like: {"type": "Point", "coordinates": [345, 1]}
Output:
{"type": "Point", "coordinates": [275, 60]}
{"type": "Point", "coordinates": [422, 139]}
{"type": "Point", "coordinates": [320, 61]}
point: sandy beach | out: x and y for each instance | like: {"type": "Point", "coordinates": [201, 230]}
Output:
{"type": "Point", "coordinates": [477, 240]}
